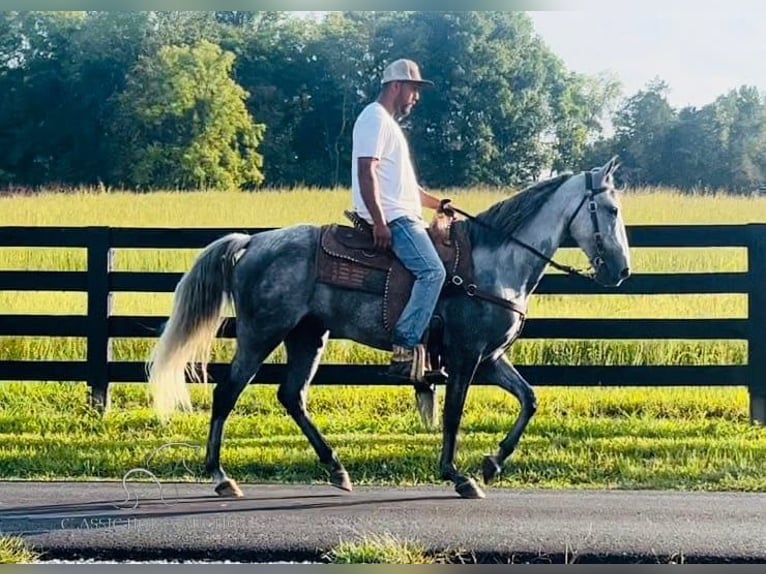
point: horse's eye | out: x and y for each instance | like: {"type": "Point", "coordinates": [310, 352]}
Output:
{"type": "Point", "coordinates": [613, 211]}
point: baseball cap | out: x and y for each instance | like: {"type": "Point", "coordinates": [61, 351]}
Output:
{"type": "Point", "coordinates": [404, 70]}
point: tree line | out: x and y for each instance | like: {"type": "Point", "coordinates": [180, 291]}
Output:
{"type": "Point", "coordinates": [199, 100]}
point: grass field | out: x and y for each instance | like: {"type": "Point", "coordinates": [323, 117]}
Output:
{"type": "Point", "coordinates": [695, 438]}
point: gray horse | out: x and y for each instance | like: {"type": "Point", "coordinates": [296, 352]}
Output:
{"type": "Point", "coordinates": [270, 279]}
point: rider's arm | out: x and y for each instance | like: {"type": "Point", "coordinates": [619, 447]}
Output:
{"type": "Point", "coordinates": [368, 187]}
{"type": "Point", "coordinates": [428, 200]}
{"type": "Point", "coordinates": [431, 201]}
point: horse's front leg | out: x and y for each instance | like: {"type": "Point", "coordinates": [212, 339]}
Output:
{"type": "Point", "coordinates": [504, 375]}
{"type": "Point", "coordinates": [454, 401]}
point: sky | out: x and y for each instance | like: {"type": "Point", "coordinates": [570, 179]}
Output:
{"type": "Point", "coordinates": [700, 53]}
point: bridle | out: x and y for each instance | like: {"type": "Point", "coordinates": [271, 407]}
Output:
{"type": "Point", "coordinates": [596, 262]}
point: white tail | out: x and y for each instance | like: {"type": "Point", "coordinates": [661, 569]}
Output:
{"type": "Point", "coordinates": [199, 302]}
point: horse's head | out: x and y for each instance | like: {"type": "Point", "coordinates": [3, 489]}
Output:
{"type": "Point", "coordinates": [597, 226]}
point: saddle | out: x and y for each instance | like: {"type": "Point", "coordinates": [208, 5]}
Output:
{"type": "Point", "coordinates": [348, 258]}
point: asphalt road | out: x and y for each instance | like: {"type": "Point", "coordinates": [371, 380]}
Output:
{"type": "Point", "coordinates": [104, 521]}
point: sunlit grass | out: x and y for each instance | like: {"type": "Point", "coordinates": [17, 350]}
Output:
{"type": "Point", "coordinates": [280, 208]}
{"type": "Point", "coordinates": [14, 550]}
{"type": "Point", "coordinates": [379, 549]}
{"type": "Point", "coordinates": [682, 438]}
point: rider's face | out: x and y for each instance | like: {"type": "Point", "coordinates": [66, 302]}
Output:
{"type": "Point", "coordinates": [407, 96]}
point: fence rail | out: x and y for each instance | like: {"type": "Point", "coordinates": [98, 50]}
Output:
{"type": "Point", "coordinates": [99, 325]}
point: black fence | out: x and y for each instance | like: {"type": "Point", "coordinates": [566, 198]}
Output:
{"type": "Point", "coordinates": [99, 325]}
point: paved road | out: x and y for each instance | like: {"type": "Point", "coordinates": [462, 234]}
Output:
{"type": "Point", "coordinates": [102, 520]}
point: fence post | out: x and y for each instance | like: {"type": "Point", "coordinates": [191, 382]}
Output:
{"type": "Point", "coordinates": [99, 309]}
{"type": "Point", "coordinates": [756, 321]}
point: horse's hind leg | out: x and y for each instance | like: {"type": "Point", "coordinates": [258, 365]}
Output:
{"type": "Point", "coordinates": [247, 361]}
{"type": "Point", "coordinates": [304, 346]}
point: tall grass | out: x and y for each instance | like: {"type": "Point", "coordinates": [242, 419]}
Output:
{"type": "Point", "coordinates": [234, 210]}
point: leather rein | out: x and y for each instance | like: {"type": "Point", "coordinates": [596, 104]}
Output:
{"type": "Point", "coordinates": [471, 290]}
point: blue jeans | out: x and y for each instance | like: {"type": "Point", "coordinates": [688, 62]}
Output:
{"type": "Point", "coordinates": [413, 246]}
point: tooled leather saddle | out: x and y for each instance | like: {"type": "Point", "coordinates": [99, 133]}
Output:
{"type": "Point", "coordinates": [347, 257]}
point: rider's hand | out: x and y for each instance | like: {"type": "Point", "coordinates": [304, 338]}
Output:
{"type": "Point", "coordinates": [445, 207]}
{"type": "Point", "coordinates": [381, 233]}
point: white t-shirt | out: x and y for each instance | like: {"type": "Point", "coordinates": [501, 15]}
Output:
{"type": "Point", "coordinates": [377, 134]}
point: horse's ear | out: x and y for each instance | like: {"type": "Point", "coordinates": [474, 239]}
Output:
{"type": "Point", "coordinates": [611, 166]}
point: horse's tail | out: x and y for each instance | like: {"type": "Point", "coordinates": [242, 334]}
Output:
{"type": "Point", "coordinates": [198, 304]}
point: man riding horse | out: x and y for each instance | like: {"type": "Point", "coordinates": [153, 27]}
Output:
{"type": "Point", "coordinates": [386, 194]}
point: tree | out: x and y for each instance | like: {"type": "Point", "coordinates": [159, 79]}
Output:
{"type": "Point", "coordinates": [501, 98]}
{"type": "Point", "coordinates": [36, 101]}
{"type": "Point", "coordinates": [642, 126]}
{"type": "Point", "coordinates": [98, 63]}
{"type": "Point", "coordinates": [746, 142]}
{"type": "Point", "coordinates": [579, 103]}
{"type": "Point", "coordinates": [695, 154]}
{"type": "Point", "coordinates": [182, 123]}
{"type": "Point", "coordinates": [56, 67]}
{"type": "Point", "coordinates": [275, 67]}
{"type": "Point", "coordinates": [337, 69]}
{"type": "Point", "coordinates": [485, 121]}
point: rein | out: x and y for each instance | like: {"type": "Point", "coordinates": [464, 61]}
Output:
{"type": "Point", "coordinates": [473, 291]}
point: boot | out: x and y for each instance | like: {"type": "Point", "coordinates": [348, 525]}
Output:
{"type": "Point", "coordinates": [407, 363]}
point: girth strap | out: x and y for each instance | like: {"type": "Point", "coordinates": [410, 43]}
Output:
{"type": "Point", "coordinates": [473, 291]}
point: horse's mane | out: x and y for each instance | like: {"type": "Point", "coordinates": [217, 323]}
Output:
{"type": "Point", "coordinates": [508, 215]}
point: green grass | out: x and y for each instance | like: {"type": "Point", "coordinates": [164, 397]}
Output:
{"type": "Point", "coordinates": [684, 438]}
{"type": "Point", "coordinates": [380, 549]}
{"type": "Point", "coordinates": [13, 550]}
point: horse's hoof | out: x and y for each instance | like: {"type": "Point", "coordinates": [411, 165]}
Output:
{"type": "Point", "coordinates": [229, 489]}
{"type": "Point", "coordinates": [340, 479]}
{"type": "Point", "coordinates": [490, 469]}
{"type": "Point", "coordinates": [469, 489]}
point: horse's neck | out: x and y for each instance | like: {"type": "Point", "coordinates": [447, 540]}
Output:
{"type": "Point", "coordinates": [514, 269]}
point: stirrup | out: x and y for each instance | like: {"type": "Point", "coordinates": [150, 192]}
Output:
{"type": "Point", "coordinates": [433, 376]}
{"type": "Point", "coordinates": [408, 363]}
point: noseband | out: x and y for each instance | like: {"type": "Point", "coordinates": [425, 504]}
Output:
{"type": "Point", "coordinates": [598, 260]}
